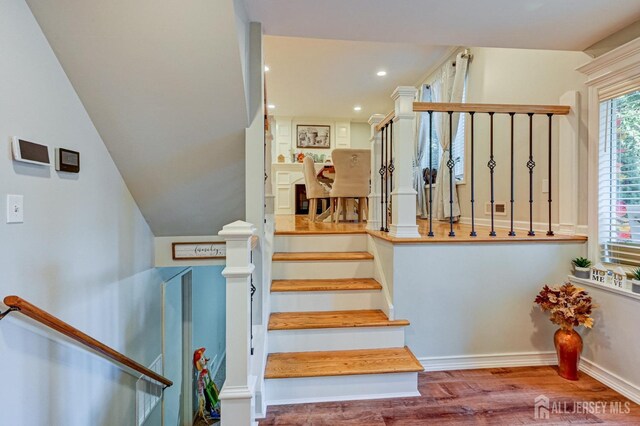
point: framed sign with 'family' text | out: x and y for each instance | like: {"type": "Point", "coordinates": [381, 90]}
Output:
{"type": "Point", "coordinates": [199, 251]}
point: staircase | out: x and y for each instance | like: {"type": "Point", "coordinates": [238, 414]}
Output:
{"type": "Point", "coordinates": [329, 338]}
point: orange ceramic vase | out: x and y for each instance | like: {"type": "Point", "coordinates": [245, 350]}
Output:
{"type": "Point", "coordinates": [568, 348]}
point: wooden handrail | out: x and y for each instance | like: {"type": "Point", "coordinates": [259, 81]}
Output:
{"type": "Point", "coordinates": [496, 108]}
{"type": "Point", "coordinates": [385, 120]}
{"type": "Point", "coordinates": [254, 242]}
{"type": "Point", "coordinates": [62, 327]}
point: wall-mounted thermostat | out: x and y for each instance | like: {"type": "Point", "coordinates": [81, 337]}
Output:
{"type": "Point", "coordinates": [30, 152]}
{"type": "Point", "coordinates": [67, 160]}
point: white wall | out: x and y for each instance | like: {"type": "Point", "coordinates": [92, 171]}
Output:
{"type": "Point", "coordinates": [84, 252]}
{"type": "Point", "coordinates": [520, 76]}
{"type": "Point", "coordinates": [343, 134]}
{"type": "Point", "coordinates": [360, 136]}
{"type": "Point", "coordinates": [484, 306]}
{"type": "Point", "coordinates": [209, 314]}
{"type": "Point", "coordinates": [517, 76]}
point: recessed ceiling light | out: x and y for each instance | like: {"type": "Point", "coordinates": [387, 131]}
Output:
{"type": "Point", "coordinates": [381, 73]}
{"type": "Point", "coordinates": [271, 106]}
{"type": "Point", "coordinates": [266, 68]}
{"type": "Point", "coordinates": [357, 108]}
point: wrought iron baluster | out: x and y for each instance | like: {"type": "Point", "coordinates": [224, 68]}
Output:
{"type": "Point", "coordinates": [473, 201]}
{"type": "Point", "coordinates": [386, 181]}
{"type": "Point", "coordinates": [512, 232]}
{"type": "Point", "coordinates": [252, 292]}
{"type": "Point", "coordinates": [382, 172]}
{"type": "Point", "coordinates": [391, 166]}
{"type": "Point", "coordinates": [550, 231]}
{"type": "Point", "coordinates": [492, 165]}
{"type": "Point", "coordinates": [531, 165]}
{"type": "Point", "coordinates": [430, 234]}
{"type": "Point", "coordinates": [450, 165]}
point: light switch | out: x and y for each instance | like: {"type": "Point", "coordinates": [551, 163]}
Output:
{"type": "Point", "coordinates": [545, 186]}
{"type": "Point", "coordinates": [15, 208]}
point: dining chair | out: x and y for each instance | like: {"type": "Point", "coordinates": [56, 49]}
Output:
{"type": "Point", "coordinates": [353, 173]}
{"type": "Point", "coordinates": [314, 189]}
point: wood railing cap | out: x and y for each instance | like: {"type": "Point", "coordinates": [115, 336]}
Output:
{"type": "Point", "coordinates": [489, 108]}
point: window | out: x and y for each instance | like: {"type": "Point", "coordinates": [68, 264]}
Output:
{"type": "Point", "coordinates": [458, 143]}
{"type": "Point", "coordinates": [619, 180]}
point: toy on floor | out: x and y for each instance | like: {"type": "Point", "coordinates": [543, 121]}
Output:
{"type": "Point", "coordinates": [208, 400]}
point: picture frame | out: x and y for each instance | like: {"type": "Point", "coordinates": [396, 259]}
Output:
{"type": "Point", "coordinates": [199, 250]}
{"type": "Point", "coordinates": [313, 136]}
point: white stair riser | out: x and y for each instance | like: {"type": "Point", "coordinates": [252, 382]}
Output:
{"type": "Point", "coordinates": [335, 339]}
{"type": "Point", "coordinates": [341, 388]}
{"type": "Point", "coordinates": [322, 269]}
{"type": "Point", "coordinates": [310, 243]}
{"type": "Point", "coordinates": [305, 301]}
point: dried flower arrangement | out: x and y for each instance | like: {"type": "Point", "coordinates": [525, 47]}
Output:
{"type": "Point", "coordinates": [570, 306]}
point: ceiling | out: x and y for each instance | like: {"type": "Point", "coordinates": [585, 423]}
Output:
{"type": "Point", "coordinates": [534, 24]}
{"type": "Point", "coordinates": [327, 78]}
{"type": "Point", "coordinates": [165, 87]}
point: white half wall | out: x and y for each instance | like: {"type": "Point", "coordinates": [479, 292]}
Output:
{"type": "Point", "coordinates": [84, 252]}
{"type": "Point", "coordinates": [477, 299]}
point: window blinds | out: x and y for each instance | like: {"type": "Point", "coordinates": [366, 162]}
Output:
{"type": "Point", "coordinates": [619, 180]}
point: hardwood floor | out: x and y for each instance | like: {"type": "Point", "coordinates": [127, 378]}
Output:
{"type": "Point", "coordinates": [336, 284]}
{"type": "Point", "coordinates": [498, 396]}
{"type": "Point", "coordinates": [293, 225]}
{"type": "Point", "coordinates": [341, 363]}
{"type": "Point", "coordinates": [307, 256]}
{"type": "Point", "coordinates": [332, 319]}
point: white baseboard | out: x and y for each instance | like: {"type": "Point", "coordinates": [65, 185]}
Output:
{"type": "Point", "coordinates": [469, 362]}
{"type": "Point", "coordinates": [522, 226]}
{"type": "Point", "coordinates": [614, 381]}
{"type": "Point", "coordinates": [530, 359]}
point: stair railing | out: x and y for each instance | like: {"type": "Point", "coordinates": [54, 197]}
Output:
{"type": "Point", "coordinates": [393, 140]}
{"type": "Point", "coordinates": [17, 304]}
{"type": "Point", "coordinates": [491, 109]}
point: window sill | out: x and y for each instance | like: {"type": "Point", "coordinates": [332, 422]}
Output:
{"type": "Point", "coordinates": [590, 283]}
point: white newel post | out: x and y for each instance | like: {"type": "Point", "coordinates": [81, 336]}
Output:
{"type": "Point", "coordinates": [373, 221]}
{"type": "Point", "coordinates": [403, 197]}
{"type": "Point", "coordinates": [568, 145]}
{"type": "Point", "coordinates": [236, 397]}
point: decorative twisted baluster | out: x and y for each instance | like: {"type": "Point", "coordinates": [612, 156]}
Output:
{"type": "Point", "coordinates": [450, 165]}
{"type": "Point", "coordinates": [531, 165]}
{"type": "Point", "coordinates": [492, 165]}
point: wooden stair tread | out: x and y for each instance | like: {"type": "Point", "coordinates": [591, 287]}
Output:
{"type": "Point", "coordinates": [341, 363]}
{"type": "Point", "coordinates": [332, 319]}
{"type": "Point", "coordinates": [305, 256]}
{"type": "Point", "coordinates": [337, 284]}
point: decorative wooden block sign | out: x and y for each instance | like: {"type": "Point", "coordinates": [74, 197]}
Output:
{"type": "Point", "coordinates": [199, 251]}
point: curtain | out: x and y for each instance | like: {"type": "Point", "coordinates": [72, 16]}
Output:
{"type": "Point", "coordinates": [448, 87]}
{"type": "Point", "coordinates": [418, 159]}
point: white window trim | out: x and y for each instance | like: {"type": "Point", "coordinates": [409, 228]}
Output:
{"type": "Point", "coordinates": [608, 76]}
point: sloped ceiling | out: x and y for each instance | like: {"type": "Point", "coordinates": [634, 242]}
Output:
{"type": "Point", "coordinates": [532, 24]}
{"type": "Point", "coordinates": [163, 84]}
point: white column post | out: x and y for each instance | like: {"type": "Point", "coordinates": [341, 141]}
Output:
{"type": "Point", "coordinates": [236, 396]}
{"type": "Point", "coordinates": [403, 197]}
{"type": "Point", "coordinates": [568, 144]}
{"type": "Point", "coordinates": [373, 221]}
